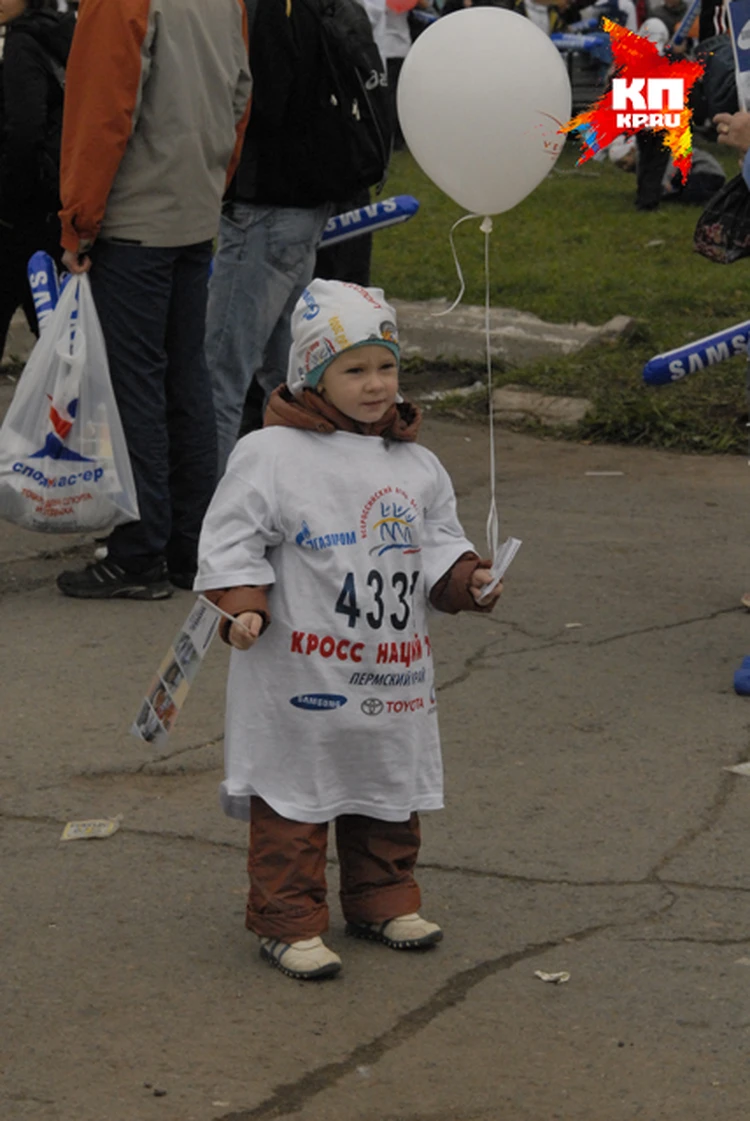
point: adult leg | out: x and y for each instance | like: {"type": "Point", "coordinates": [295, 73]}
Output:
{"type": "Point", "coordinates": [275, 366]}
{"type": "Point", "coordinates": [14, 284]}
{"type": "Point", "coordinates": [349, 260]}
{"type": "Point", "coordinates": [287, 869]}
{"type": "Point", "coordinates": [132, 288]}
{"type": "Point", "coordinates": [189, 411]}
{"type": "Point", "coordinates": [252, 410]}
{"type": "Point", "coordinates": [393, 66]}
{"type": "Point", "coordinates": [653, 158]}
{"type": "Point", "coordinates": [377, 860]}
{"type": "Point", "coordinates": [265, 254]}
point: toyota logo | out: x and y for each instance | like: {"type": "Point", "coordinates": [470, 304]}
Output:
{"type": "Point", "coordinates": [372, 706]}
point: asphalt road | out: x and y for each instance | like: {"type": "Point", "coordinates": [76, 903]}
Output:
{"type": "Point", "coordinates": [591, 827]}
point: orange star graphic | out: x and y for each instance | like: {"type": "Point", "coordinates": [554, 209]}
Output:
{"type": "Point", "coordinates": [636, 57]}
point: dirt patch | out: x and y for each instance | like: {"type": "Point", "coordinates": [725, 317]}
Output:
{"type": "Point", "coordinates": [418, 381]}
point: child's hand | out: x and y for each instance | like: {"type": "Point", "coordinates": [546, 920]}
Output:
{"type": "Point", "coordinates": [245, 630]}
{"type": "Point", "coordinates": [480, 577]}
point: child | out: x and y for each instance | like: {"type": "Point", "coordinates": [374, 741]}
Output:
{"type": "Point", "coordinates": [333, 520]}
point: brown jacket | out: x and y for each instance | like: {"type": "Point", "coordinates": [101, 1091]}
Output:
{"type": "Point", "coordinates": [451, 592]}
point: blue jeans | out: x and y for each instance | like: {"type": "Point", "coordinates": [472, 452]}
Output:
{"type": "Point", "coordinates": [264, 259]}
{"type": "Point", "coordinates": [152, 309]}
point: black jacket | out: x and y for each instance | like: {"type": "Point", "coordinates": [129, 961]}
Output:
{"type": "Point", "coordinates": [312, 137]}
{"type": "Point", "coordinates": [283, 69]}
{"type": "Point", "coordinates": [37, 45]}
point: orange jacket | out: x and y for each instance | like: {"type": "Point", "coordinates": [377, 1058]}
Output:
{"type": "Point", "coordinates": [156, 103]}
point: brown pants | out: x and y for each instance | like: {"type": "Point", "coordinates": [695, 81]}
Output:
{"type": "Point", "coordinates": [287, 868]}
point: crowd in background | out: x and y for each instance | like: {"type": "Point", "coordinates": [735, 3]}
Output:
{"type": "Point", "coordinates": [128, 203]}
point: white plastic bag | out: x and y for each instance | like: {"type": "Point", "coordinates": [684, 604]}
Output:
{"type": "Point", "coordinates": [64, 465]}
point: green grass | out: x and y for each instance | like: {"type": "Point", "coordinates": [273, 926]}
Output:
{"type": "Point", "coordinates": [577, 249]}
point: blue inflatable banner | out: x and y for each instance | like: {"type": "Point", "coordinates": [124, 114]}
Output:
{"type": "Point", "coordinates": [596, 44]}
{"type": "Point", "coordinates": [682, 31]}
{"type": "Point", "coordinates": [44, 285]}
{"type": "Point", "coordinates": [676, 364]}
{"type": "Point", "coordinates": [376, 216]}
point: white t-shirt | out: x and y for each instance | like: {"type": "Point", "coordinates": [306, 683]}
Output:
{"type": "Point", "coordinates": [538, 14]}
{"type": "Point", "coordinates": [397, 34]}
{"type": "Point", "coordinates": [376, 11]}
{"type": "Point", "coordinates": [333, 710]}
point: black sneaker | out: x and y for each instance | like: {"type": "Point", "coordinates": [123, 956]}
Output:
{"type": "Point", "coordinates": [107, 580]}
{"type": "Point", "coordinates": [183, 580]}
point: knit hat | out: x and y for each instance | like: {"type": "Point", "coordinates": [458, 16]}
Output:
{"type": "Point", "coordinates": [331, 317]}
{"type": "Point", "coordinates": [656, 31]}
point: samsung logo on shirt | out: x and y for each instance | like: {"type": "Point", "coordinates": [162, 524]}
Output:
{"type": "Point", "coordinates": [314, 702]}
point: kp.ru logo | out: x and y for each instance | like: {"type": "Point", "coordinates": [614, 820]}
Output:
{"type": "Point", "coordinates": [648, 91]}
{"type": "Point", "coordinates": [624, 92]}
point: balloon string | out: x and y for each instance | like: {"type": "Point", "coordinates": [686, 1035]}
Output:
{"type": "Point", "coordinates": [492, 520]}
{"type": "Point", "coordinates": [457, 263]}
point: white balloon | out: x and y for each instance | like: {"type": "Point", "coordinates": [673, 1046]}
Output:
{"type": "Point", "coordinates": [481, 96]}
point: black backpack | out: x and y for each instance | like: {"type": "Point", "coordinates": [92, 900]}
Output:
{"type": "Point", "coordinates": [321, 121]}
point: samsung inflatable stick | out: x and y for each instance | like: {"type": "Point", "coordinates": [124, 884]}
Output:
{"type": "Point", "coordinates": [676, 364]}
{"type": "Point", "coordinates": [376, 216]}
{"type": "Point", "coordinates": [597, 44]}
{"type": "Point", "coordinates": [44, 285]}
{"type": "Point", "coordinates": [682, 30]}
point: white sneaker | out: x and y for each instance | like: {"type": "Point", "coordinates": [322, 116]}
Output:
{"type": "Point", "coordinates": [405, 932]}
{"type": "Point", "coordinates": [745, 601]}
{"type": "Point", "coordinates": [308, 960]}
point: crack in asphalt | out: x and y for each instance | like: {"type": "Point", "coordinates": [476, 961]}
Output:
{"type": "Point", "coordinates": [690, 885]}
{"type": "Point", "coordinates": [125, 769]}
{"type": "Point", "coordinates": [711, 815]}
{"type": "Point", "coordinates": [568, 639]}
{"type": "Point", "coordinates": [667, 626]}
{"type": "Point", "coordinates": [291, 1097]}
{"type": "Point", "coordinates": [651, 879]}
{"type": "Point", "coordinates": [697, 941]}
{"type": "Point", "coordinates": [670, 886]}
